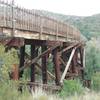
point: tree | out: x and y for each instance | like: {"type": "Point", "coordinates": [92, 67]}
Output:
{"type": "Point", "coordinates": [92, 57]}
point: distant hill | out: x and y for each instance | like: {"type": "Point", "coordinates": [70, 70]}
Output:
{"type": "Point", "coordinates": [89, 26]}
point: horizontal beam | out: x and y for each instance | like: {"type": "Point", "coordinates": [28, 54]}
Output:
{"type": "Point", "coordinates": [42, 42]}
{"type": "Point", "coordinates": [45, 86]}
{"type": "Point", "coordinates": [71, 46]}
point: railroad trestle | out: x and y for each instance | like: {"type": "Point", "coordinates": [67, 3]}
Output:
{"type": "Point", "coordinates": [67, 59]}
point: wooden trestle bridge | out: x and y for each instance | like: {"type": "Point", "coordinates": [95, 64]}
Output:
{"type": "Point", "coordinates": [20, 27]}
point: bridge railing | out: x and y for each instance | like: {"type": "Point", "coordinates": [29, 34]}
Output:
{"type": "Point", "coordinates": [12, 16]}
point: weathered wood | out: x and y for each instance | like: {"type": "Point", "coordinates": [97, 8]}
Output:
{"type": "Point", "coordinates": [29, 62]}
{"type": "Point", "coordinates": [44, 86]}
{"type": "Point", "coordinates": [19, 19]}
{"type": "Point", "coordinates": [44, 66]}
{"type": "Point", "coordinates": [39, 66]}
{"type": "Point", "coordinates": [67, 48]}
{"type": "Point", "coordinates": [67, 66]}
{"type": "Point", "coordinates": [74, 62]}
{"type": "Point", "coordinates": [22, 55]}
{"type": "Point", "coordinates": [70, 47]}
{"type": "Point", "coordinates": [62, 61]}
{"type": "Point", "coordinates": [48, 72]}
{"type": "Point", "coordinates": [56, 66]}
{"type": "Point", "coordinates": [15, 73]}
{"type": "Point", "coordinates": [33, 55]}
{"type": "Point", "coordinates": [81, 60]}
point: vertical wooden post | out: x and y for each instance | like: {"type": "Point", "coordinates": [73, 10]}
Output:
{"type": "Point", "coordinates": [22, 54]}
{"type": "Point", "coordinates": [56, 66]}
{"type": "Point", "coordinates": [21, 64]}
{"type": "Point", "coordinates": [81, 59]}
{"type": "Point", "coordinates": [33, 55]}
{"type": "Point", "coordinates": [44, 66]}
{"type": "Point", "coordinates": [74, 62]}
{"type": "Point", "coordinates": [15, 73]}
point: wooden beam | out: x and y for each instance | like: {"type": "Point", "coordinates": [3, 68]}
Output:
{"type": "Point", "coordinates": [81, 59]}
{"type": "Point", "coordinates": [29, 62]}
{"type": "Point", "coordinates": [48, 72]}
{"type": "Point", "coordinates": [68, 64]}
{"type": "Point", "coordinates": [33, 55]}
{"type": "Point", "coordinates": [44, 86]}
{"type": "Point", "coordinates": [56, 66]}
{"type": "Point", "coordinates": [62, 61]}
{"type": "Point", "coordinates": [74, 62]}
{"type": "Point", "coordinates": [22, 55]}
{"type": "Point", "coordinates": [71, 47]}
{"type": "Point", "coordinates": [40, 67]}
{"type": "Point", "coordinates": [67, 48]}
{"type": "Point", "coordinates": [44, 66]}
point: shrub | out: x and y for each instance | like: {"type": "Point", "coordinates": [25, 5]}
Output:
{"type": "Point", "coordinates": [96, 82]}
{"type": "Point", "coordinates": [71, 87]}
{"type": "Point", "coordinates": [9, 91]}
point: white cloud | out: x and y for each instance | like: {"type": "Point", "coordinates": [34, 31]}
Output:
{"type": "Point", "coordinates": [68, 7]}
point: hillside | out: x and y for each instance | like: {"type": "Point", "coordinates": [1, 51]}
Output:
{"type": "Point", "coordinates": [89, 26]}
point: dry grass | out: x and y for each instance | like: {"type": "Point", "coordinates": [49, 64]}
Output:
{"type": "Point", "coordinates": [86, 96]}
{"type": "Point", "coordinates": [40, 95]}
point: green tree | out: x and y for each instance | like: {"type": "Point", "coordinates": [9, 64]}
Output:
{"type": "Point", "coordinates": [92, 57]}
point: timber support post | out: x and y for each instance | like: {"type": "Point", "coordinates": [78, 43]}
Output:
{"type": "Point", "coordinates": [56, 62]}
{"type": "Point", "coordinates": [81, 59]}
{"type": "Point", "coordinates": [74, 60]}
{"type": "Point", "coordinates": [22, 60]}
{"type": "Point", "coordinates": [33, 55]}
{"type": "Point", "coordinates": [44, 65]}
{"type": "Point", "coordinates": [21, 63]}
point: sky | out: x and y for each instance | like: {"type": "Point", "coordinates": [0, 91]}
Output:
{"type": "Point", "coordinates": [67, 7]}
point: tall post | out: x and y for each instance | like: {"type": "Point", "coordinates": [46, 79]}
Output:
{"type": "Point", "coordinates": [74, 62]}
{"type": "Point", "coordinates": [81, 59]}
{"type": "Point", "coordinates": [22, 55]}
{"type": "Point", "coordinates": [56, 66]}
{"type": "Point", "coordinates": [44, 66]}
{"type": "Point", "coordinates": [33, 55]}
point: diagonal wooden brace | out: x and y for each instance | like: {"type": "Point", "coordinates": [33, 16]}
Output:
{"type": "Point", "coordinates": [67, 66]}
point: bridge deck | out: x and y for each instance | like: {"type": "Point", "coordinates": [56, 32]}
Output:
{"type": "Point", "coordinates": [29, 24]}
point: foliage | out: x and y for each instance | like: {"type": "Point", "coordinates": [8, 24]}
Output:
{"type": "Point", "coordinates": [96, 81]}
{"type": "Point", "coordinates": [9, 91]}
{"type": "Point", "coordinates": [71, 87]}
{"type": "Point", "coordinates": [92, 57]}
{"type": "Point", "coordinates": [7, 60]}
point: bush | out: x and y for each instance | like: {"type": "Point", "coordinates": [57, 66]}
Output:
{"type": "Point", "coordinates": [7, 60]}
{"type": "Point", "coordinates": [96, 82]}
{"type": "Point", "coordinates": [71, 87]}
{"type": "Point", "coordinates": [9, 91]}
